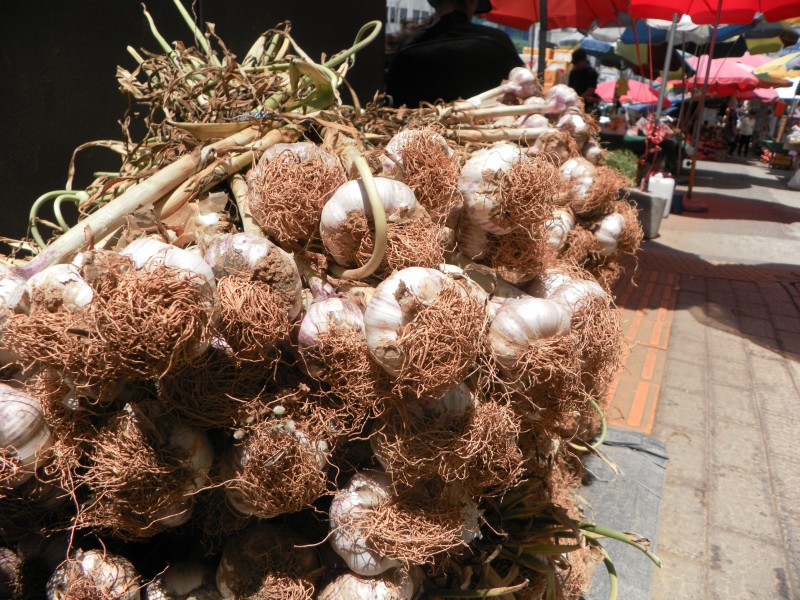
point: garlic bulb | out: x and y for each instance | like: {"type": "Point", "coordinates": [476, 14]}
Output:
{"type": "Point", "coordinates": [12, 287]}
{"type": "Point", "coordinates": [149, 253]}
{"type": "Point", "coordinates": [560, 97]}
{"type": "Point", "coordinates": [10, 565]}
{"type": "Point", "coordinates": [55, 288]}
{"type": "Point", "coordinates": [349, 202]}
{"type": "Point", "coordinates": [242, 491]}
{"type": "Point", "coordinates": [321, 317]}
{"type": "Point", "coordinates": [521, 322]}
{"type": "Point", "coordinates": [392, 161]}
{"type": "Point", "coordinates": [393, 315]}
{"type": "Point", "coordinates": [365, 491]}
{"type": "Point", "coordinates": [545, 285]}
{"type": "Point", "coordinates": [593, 152]}
{"type": "Point", "coordinates": [266, 556]}
{"type": "Point", "coordinates": [580, 174]}
{"type": "Point", "coordinates": [183, 580]}
{"type": "Point", "coordinates": [479, 183]}
{"type": "Point", "coordinates": [608, 232]}
{"type": "Point", "coordinates": [472, 241]}
{"type": "Point", "coordinates": [503, 292]}
{"type": "Point", "coordinates": [523, 83]}
{"type": "Point", "coordinates": [94, 574]}
{"type": "Point", "coordinates": [576, 295]}
{"type": "Point", "coordinates": [245, 252]}
{"type": "Point", "coordinates": [575, 123]}
{"type": "Point", "coordinates": [24, 435]}
{"type": "Point", "coordinates": [199, 457]}
{"type": "Point", "coordinates": [396, 584]}
{"type": "Point", "coordinates": [533, 121]}
{"type": "Point", "coordinates": [558, 228]}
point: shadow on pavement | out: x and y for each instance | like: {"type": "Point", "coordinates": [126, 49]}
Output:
{"type": "Point", "coordinates": [726, 207]}
{"type": "Point", "coordinates": [758, 302]}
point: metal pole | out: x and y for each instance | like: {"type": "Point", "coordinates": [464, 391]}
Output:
{"type": "Point", "coordinates": [662, 92]}
{"type": "Point", "coordinates": [701, 106]}
{"type": "Point", "coordinates": [532, 42]}
{"type": "Point", "coordinates": [542, 38]}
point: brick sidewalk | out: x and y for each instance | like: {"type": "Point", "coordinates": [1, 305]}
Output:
{"type": "Point", "coordinates": [713, 371]}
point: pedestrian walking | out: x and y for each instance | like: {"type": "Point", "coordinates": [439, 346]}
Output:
{"type": "Point", "coordinates": [746, 126]}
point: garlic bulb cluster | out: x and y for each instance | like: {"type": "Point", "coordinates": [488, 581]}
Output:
{"type": "Point", "coordinates": [94, 574]}
{"type": "Point", "coordinates": [24, 436]}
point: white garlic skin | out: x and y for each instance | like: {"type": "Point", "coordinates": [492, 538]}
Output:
{"type": "Point", "coordinates": [151, 253]}
{"type": "Point", "coordinates": [580, 174]}
{"type": "Point", "coordinates": [64, 285]}
{"type": "Point", "coordinates": [396, 584]}
{"type": "Point", "coordinates": [112, 574]}
{"type": "Point", "coordinates": [593, 152]}
{"type": "Point", "coordinates": [560, 97]}
{"type": "Point", "coordinates": [392, 160]}
{"type": "Point", "coordinates": [503, 292]}
{"type": "Point", "coordinates": [322, 317]}
{"type": "Point", "coordinates": [534, 121]}
{"type": "Point", "coordinates": [200, 458]}
{"type": "Point", "coordinates": [183, 580]}
{"type": "Point", "coordinates": [351, 198]}
{"type": "Point", "coordinates": [608, 232]}
{"type": "Point", "coordinates": [12, 286]}
{"type": "Point", "coordinates": [546, 285]}
{"type": "Point", "coordinates": [521, 322]}
{"type": "Point", "coordinates": [558, 228]}
{"type": "Point", "coordinates": [484, 164]}
{"type": "Point", "coordinates": [303, 151]}
{"type": "Point", "coordinates": [385, 317]}
{"type": "Point", "coordinates": [577, 294]}
{"type": "Point", "coordinates": [522, 82]}
{"type": "Point", "coordinates": [244, 251]}
{"type": "Point", "coordinates": [23, 431]}
{"type": "Point", "coordinates": [365, 491]}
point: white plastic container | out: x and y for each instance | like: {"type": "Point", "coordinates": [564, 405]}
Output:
{"type": "Point", "coordinates": [663, 187]}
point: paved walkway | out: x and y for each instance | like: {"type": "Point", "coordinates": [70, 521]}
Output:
{"type": "Point", "coordinates": [714, 371]}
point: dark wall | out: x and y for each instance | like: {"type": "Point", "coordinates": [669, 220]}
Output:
{"type": "Point", "coordinates": [58, 62]}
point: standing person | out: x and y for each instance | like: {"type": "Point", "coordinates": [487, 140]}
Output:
{"type": "Point", "coordinates": [729, 132]}
{"type": "Point", "coordinates": [452, 58]}
{"type": "Point", "coordinates": [747, 125]}
{"type": "Point", "coordinates": [583, 79]}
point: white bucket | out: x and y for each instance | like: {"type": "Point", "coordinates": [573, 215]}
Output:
{"type": "Point", "coordinates": [663, 187]}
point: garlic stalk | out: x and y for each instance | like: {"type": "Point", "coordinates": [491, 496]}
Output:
{"type": "Point", "coordinates": [24, 436]}
{"type": "Point", "coordinates": [94, 574]}
{"type": "Point", "coordinates": [480, 184]}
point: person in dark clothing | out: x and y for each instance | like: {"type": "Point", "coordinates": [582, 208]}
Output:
{"type": "Point", "coordinates": [452, 58]}
{"type": "Point", "coordinates": [583, 79]}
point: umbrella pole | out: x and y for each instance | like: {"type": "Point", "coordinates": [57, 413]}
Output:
{"type": "Point", "coordinates": [662, 92]}
{"type": "Point", "coordinates": [542, 39]}
{"type": "Point", "coordinates": [696, 135]}
{"type": "Point", "coordinates": [532, 40]}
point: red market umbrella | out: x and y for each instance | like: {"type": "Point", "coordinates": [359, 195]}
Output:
{"type": "Point", "coordinates": [582, 14]}
{"type": "Point", "coordinates": [725, 77]}
{"type": "Point", "coordinates": [704, 12]}
{"type": "Point", "coordinates": [765, 95]}
{"type": "Point", "coordinates": [638, 93]}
